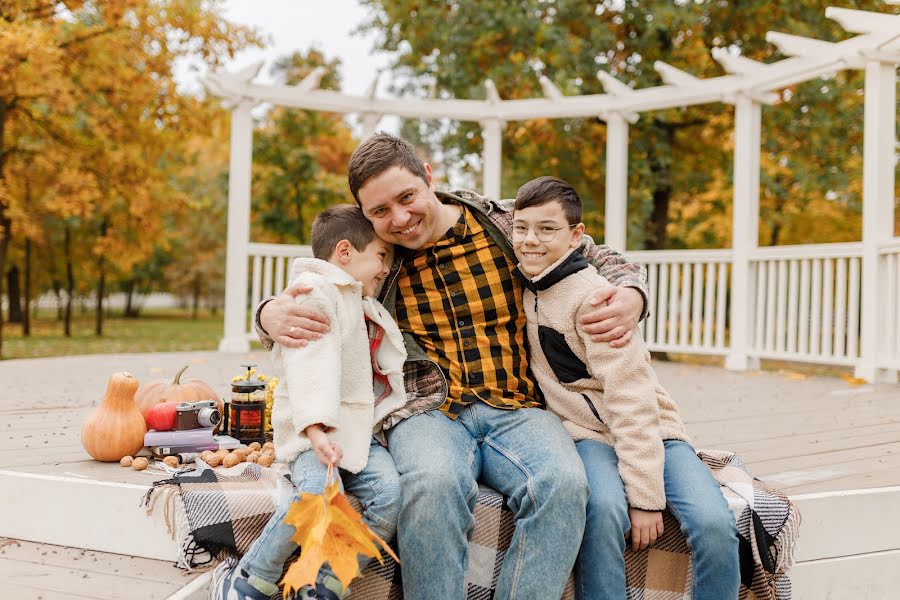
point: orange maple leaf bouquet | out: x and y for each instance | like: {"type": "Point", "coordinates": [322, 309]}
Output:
{"type": "Point", "coordinates": [329, 530]}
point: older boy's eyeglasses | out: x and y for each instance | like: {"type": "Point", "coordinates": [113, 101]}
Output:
{"type": "Point", "coordinates": [544, 233]}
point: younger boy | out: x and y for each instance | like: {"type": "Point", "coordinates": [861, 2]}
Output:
{"type": "Point", "coordinates": [333, 394]}
{"type": "Point", "coordinates": [636, 453]}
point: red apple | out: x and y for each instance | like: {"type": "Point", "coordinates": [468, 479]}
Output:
{"type": "Point", "coordinates": [162, 416]}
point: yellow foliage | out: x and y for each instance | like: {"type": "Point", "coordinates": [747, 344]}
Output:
{"type": "Point", "coordinates": [329, 530]}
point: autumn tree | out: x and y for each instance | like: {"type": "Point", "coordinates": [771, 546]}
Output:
{"type": "Point", "coordinates": [89, 87]}
{"type": "Point", "coordinates": [680, 159]}
{"type": "Point", "coordinates": [299, 158]}
{"type": "Point", "coordinates": [195, 241]}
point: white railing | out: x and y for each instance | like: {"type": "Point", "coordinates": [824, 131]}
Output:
{"type": "Point", "coordinates": [805, 299]}
{"type": "Point", "coordinates": [269, 268]}
{"type": "Point", "coordinates": [688, 300]}
{"type": "Point", "coordinates": [806, 303]}
{"type": "Point", "coordinates": [889, 271]}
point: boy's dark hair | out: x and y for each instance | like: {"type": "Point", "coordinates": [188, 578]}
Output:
{"type": "Point", "coordinates": [340, 222]}
{"type": "Point", "coordinates": [378, 154]}
{"type": "Point", "coordinates": [542, 190]}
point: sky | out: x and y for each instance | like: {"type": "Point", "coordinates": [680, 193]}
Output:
{"type": "Point", "coordinates": [296, 25]}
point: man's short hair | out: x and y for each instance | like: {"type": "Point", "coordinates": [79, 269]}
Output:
{"type": "Point", "coordinates": [378, 154]}
{"type": "Point", "coordinates": [340, 222]}
{"type": "Point", "coordinates": [542, 190]}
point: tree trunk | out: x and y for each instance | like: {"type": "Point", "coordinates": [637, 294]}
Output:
{"type": "Point", "coordinates": [101, 290]}
{"type": "Point", "coordinates": [659, 219]}
{"type": "Point", "coordinates": [26, 314]}
{"type": "Point", "coordinates": [775, 234]}
{"type": "Point", "coordinates": [70, 283]}
{"type": "Point", "coordinates": [101, 286]}
{"type": "Point", "coordinates": [57, 291]}
{"type": "Point", "coordinates": [658, 237]}
{"type": "Point", "coordinates": [5, 220]}
{"type": "Point", "coordinates": [130, 312]}
{"type": "Point", "coordinates": [14, 295]}
{"type": "Point", "coordinates": [195, 304]}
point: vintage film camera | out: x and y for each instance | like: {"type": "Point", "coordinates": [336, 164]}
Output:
{"type": "Point", "coordinates": [196, 415]}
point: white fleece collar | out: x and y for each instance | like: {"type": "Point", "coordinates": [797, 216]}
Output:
{"type": "Point", "coordinates": [333, 273]}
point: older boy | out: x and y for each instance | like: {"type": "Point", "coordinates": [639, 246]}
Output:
{"type": "Point", "coordinates": [474, 410]}
{"type": "Point", "coordinates": [636, 453]}
{"type": "Point", "coordinates": [332, 395]}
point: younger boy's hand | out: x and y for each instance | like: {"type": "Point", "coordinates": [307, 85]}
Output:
{"type": "Point", "coordinates": [646, 527]}
{"type": "Point", "coordinates": [328, 452]}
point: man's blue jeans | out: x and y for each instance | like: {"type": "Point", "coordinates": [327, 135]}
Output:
{"type": "Point", "coordinates": [377, 487]}
{"type": "Point", "coordinates": [526, 455]}
{"type": "Point", "coordinates": [693, 497]}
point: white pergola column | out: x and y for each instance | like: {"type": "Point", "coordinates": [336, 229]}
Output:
{"type": "Point", "coordinates": [235, 340]}
{"type": "Point", "coordinates": [491, 159]}
{"type": "Point", "coordinates": [616, 181]}
{"type": "Point", "coordinates": [745, 228]}
{"type": "Point", "coordinates": [370, 122]}
{"type": "Point", "coordinates": [878, 209]}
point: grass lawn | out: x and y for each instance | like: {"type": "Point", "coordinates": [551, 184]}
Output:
{"type": "Point", "coordinates": [154, 331]}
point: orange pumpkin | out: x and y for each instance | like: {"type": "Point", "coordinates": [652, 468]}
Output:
{"type": "Point", "coordinates": [162, 390]}
{"type": "Point", "coordinates": [116, 428]}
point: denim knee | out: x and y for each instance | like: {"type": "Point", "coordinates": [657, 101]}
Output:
{"type": "Point", "coordinates": [608, 512]}
{"type": "Point", "coordinates": [714, 532]}
{"type": "Point", "coordinates": [388, 499]}
{"type": "Point", "coordinates": [563, 484]}
{"type": "Point", "coordinates": [437, 486]}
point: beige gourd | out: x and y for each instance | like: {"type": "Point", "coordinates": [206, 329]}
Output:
{"type": "Point", "coordinates": [116, 428]}
{"type": "Point", "coordinates": [164, 390]}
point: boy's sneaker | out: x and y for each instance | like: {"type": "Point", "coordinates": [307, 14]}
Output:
{"type": "Point", "coordinates": [229, 582]}
{"type": "Point", "coordinates": [310, 593]}
{"type": "Point", "coordinates": [320, 592]}
{"type": "Point", "coordinates": [329, 588]}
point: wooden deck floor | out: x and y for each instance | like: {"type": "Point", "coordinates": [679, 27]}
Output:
{"type": "Point", "coordinates": [802, 434]}
{"type": "Point", "coordinates": [32, 571]}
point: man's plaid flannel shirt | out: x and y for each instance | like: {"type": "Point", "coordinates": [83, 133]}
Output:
{"type": "Point", "coordinates": [463, 306]}
{"type": "Point", "coordinates": [427, 385]}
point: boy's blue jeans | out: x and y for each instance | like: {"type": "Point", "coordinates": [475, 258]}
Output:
{"type": "Point", "coordinates": [693, 497]}
{"type": "Point", "coordinates": [377, 487]}
{"type": "Point", "coordinates": [526, 455]}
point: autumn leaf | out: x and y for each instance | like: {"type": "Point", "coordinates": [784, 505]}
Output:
{"type": "Point", "coordinates": [329, 530]}
{"type": "Point", "coordinates": [851, 380]}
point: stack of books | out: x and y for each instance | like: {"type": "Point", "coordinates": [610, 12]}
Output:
{"type": "Point", "coordinates": [188, 441]}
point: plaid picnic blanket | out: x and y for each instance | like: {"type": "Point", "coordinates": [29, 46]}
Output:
{"type": "Point", "coordinates": [218, 514]}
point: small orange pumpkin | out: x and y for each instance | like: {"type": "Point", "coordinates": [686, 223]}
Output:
{"type": "Point", "coordinates": [160, 391]}
{"type": "Point", "coordinates": [116, 428]}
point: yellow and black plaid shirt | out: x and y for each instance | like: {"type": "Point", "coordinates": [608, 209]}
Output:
{"type": "Point", "coordinates": [463, 305]}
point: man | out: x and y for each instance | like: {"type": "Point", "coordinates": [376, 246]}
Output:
{"type": "Point", "coordinates": [474, 408]}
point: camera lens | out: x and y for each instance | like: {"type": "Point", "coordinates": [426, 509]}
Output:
{"type": "Point", "coordinates": [209, 417]}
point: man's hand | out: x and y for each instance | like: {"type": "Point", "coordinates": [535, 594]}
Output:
{"type": "Point", "coordinates": [328, 452]}
{"type": "Point", "coordinates": [646, 528]}
{"type": "Point", "coordinates": [291, 324]}
{"type": "Point", "coordinates": [618, 315]}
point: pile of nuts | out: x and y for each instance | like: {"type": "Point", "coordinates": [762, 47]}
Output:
{"type": "Point", "coordinates": [260, 454]}
{"type": "Point", "coordinates": [138, 464]}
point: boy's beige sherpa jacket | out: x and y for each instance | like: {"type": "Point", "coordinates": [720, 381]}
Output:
{"type": "Point", "coordinates": [601, 393]}
{"type": "Point", "coordinates": [330, 381]}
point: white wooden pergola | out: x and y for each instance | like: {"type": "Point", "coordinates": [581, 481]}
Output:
{"type": "Point", "coordinates": [825, 303]}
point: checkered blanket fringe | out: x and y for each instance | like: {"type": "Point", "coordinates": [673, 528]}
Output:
{"type": "Point", "coordinates": [218, 514]}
